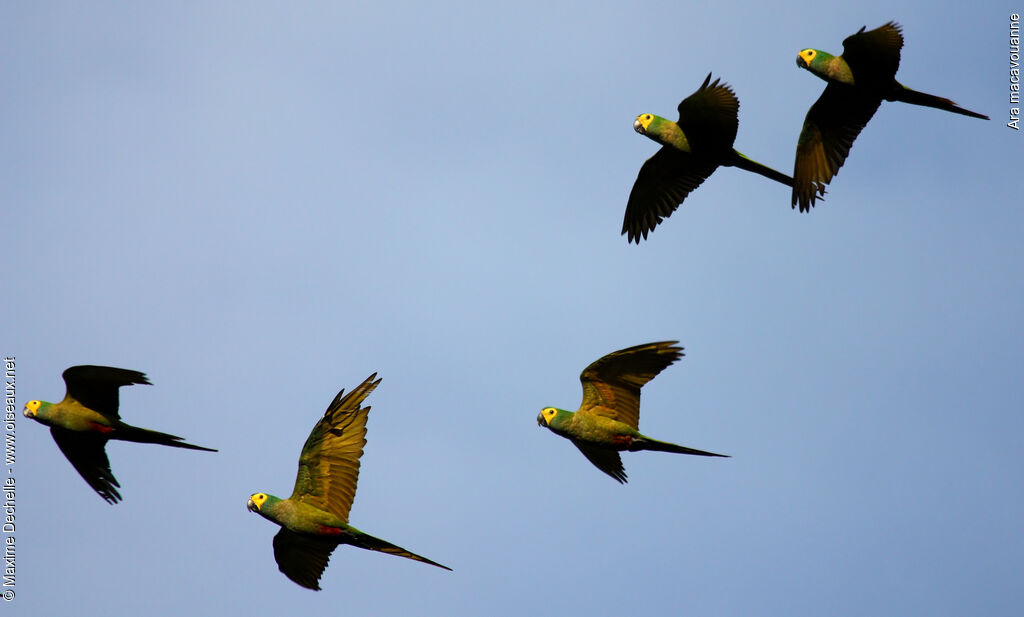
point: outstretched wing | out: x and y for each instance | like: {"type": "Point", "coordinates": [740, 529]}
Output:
{"type": "Point", "coordinates": [302, 558]}
{"type": "Point", "coordinates": [606, 460]}
{"type": "Point", "coordinates": [96, 386]}
{"type": "Point", "coordinates": [663, 183]}
{"type": "Point", "coordinates": [874, 56]}
{"type": "Point", "coordinates": [87, 455]}
{"type": "Point", "coordinates": [830, 128]}
{"type": "Point", "coordinates": [611, 385]}
{"type": "Point", "coordinates": [710, 118]}
{"type": "Point", "coordinates": [329, 463]}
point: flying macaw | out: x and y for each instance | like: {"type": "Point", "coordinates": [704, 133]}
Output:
{"type": "Point", "coordinates": [314, 520]}
{"type": "Point", "coordinates": [692, 149]}
{"type": "Point", "coordinates": [87, 419]}
{"type": "Point", "coordinates": [858, 81]}
{"type": "Point", "coordinates": [607, 421]}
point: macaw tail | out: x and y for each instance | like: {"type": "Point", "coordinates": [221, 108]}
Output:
{"type": "Point", "coordinates": [365, 540]}
{"type": "Point", "coordinates": [743, 162]}
{"type": "Point", "coordinates": [646, 443]}
{"type": "Point", "coordinates": [906, 95]}
{"type": "Point", "coordinates": [126, 432]}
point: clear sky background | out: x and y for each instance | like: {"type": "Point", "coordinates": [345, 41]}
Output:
{"type": "Point", "coordinates": [260, 204]}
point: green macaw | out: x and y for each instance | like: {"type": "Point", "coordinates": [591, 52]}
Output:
{"type": "Point", "coordinates": [87, 419]}
{"type": "Point", "coordinates": [858, 81]}
{"type": "Point", "coordinates": [607, 421]}
{"type": "Point", "coordinates": [692, 149]}
{"type": "Point", "coordinates": [314, 520]}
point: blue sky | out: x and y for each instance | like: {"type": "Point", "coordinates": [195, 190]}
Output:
{"type": "Point", "coordinates": [258, 205]}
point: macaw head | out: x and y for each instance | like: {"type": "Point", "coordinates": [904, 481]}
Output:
{"type": "Point", "coordinates": [37, 410]}
{"type": "Point", "coordinates": [643, 122]}
{"type": "Point", "coordinates": [551, 414]}
{"type": "Point", "coordinates": [258, 501]}
{"type": "Point", "coordinates": [814, 60]}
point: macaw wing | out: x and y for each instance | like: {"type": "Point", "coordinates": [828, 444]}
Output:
{"type": "Point", "coordinates": [606, 460]}
{"type": "Point", "coordinates": [611, 385]}
{"type": "Point", "coordinates": [302, 558]}
{"type": "Point", "coordinates": [88, 456]}
{"type": "Point", "coordinates": [874, 56]}
{"type": "Point", "coordinates": [710, 118]}
{"type": "Point", "coordinates": [329, 463]}
{"type": "Point", "coordinates": [663, 183]}
{"type": "Point", "coordinates": [830, 128]}
{"type": "Point", "coordinates": [96, 386]}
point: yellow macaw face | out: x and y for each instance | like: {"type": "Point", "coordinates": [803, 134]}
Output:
{"type": "Point", "coordinates": [256, 501]}
{"type": "Point", "coordinates": [545, 416]}
{"type": "Point", "coordinates": [642, 122]}
{"type": "Point", "coordinates": [804, 58]}
{"type": "Point", "coordinates": [31, 408]}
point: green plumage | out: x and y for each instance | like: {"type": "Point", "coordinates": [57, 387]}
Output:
{"type": "Point", "coordinates": [858, 81]}
{"type": "Point", "coordinates": [314, 520]}
{"type": "Point", "coordinates": [88, 418]}
{"type": "Point", "coordinates": [692, 149]}
{"type": "Point", "coordinates": [607, 421]}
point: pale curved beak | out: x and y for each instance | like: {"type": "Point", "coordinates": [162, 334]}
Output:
{"type": "Point", "coordinates": [800, 62]}
{"type": "Point", "coordinates": [28, 412]}
{"type": "Point", "coordinates": [251, 506]}
{"type": "Point", "coordinates": [540, 420]}
{"type": "Point", "coordinates": [638, 127]}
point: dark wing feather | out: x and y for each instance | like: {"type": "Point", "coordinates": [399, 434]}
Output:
{"type": "Point", "coordinates": [830, 128]}
{"type": "Point", "coordinates": [611, 385]}
{"type": "Point", "coordinates": [663, 183]}
{"type": "Point", "coordinates": [606, 460]}
{"type": "Point", "coordinates": [89, 458]}
{"type": "Point", "coordinates": [710, 118]}
{"type": "Point", "coordinates": [329, 463]}
{"type": "Point", "coordinates": [96, 386]}
{"type": "Point", "coordinates": [874, 56]}
{"type": "Point", "coordinates": [302, 558]}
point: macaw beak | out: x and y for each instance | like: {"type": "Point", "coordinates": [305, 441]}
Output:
{"type": "Point", "coordinates": [251, 506]}
{"type": "Point", "coordinates": [638, 127]}
{"type": "Point", "coordinates": [28, 412]}
{"type": "Point", "coordinates": [800, 62]}
{"type": "Point", "coordinates": [540, 420]}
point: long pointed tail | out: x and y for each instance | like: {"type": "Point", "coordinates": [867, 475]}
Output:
{"type": "Point", "coordinates": [369, 542]}
{"type": "Point", "coordinates": [127, 432]}
{"type": "Point", "coordinates": [906, 95]}
{"type": "Point", "coordinates": [744, 162]}
{"type": "Point", "coordinates": [646, 443]}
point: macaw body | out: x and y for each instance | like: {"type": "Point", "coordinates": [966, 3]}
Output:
{"type": "Point", "coordinates": [309, 535]}
{"type": "Point", "coordinates": [73, 416]}
{"type": "Point", "coordinates": [314, 520]}
{"type": "Point", "coordinates": [605, 432]}
{"type": "Point", "coordinates": [858, 81]}
{"type": "Point", "coordinates": [87, 418]}
{"type": "Point", "coordinates": [880, 81]}
{"type": "Point", "coordinates": [607, 420]}
{"type": "Point", "coordinates": [692, 149]}
{"type": "Point", "coordinates": [301, 517]}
